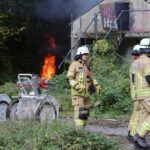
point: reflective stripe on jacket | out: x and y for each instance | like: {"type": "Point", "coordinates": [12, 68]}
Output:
{"type": "Point", "coordinates": [142, 87]}
{"type": "Point", "coordinates": [77, 75]}
{"type": "Point", "coordinates": [132, 80]}
{"type": "Point", "coordinates": [133, 69]}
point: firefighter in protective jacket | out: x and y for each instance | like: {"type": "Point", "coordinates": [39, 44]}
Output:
{"type": "Point", "coordinates": [142, 93]}
{"type": "Point", "coordinates": [82, 84]}
{"type": "Point", "coordinates": [136, 107]}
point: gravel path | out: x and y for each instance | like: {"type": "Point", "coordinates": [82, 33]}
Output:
{"type": "Point", "coordinates": [113, 129]}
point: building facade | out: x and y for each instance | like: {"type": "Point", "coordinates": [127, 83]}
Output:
{"type": "Point", "coordinates": [130, 17]}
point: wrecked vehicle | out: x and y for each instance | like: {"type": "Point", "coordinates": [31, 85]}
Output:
{"type": "Point", "coordinates": [33, 102]}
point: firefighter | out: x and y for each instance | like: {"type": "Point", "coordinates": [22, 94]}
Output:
{"type": "Point", "coordinates": [142, 93]}
{"type": "Point", "coordinates": [136, 109]}
{"type": "Point", "coordinates": [82, 85]}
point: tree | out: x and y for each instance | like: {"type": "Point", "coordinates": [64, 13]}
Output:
{"type": "Point", "coordinates": [15, 22]}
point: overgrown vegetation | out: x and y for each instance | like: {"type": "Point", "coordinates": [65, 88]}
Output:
{"type": "Point", "coordinates": [112, 75]}
{"type": "Point", "coordinates": [10, 89]}
{"type": "Point", "coordinates": [16, 48]}
{"type": "Point", "coordinates": [102, 47]}
{"type": "Point", "coordinates": [37, 136]}
{"type": "Point", "coordinates": [61, 90]}
{"type": "Point", "coordinates": [114, 80]}
{"type": "Point", "coordinates": [7, 32]}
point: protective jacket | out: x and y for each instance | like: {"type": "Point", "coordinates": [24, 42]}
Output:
{"type": "Point", "coordinates": [133, 69]}
{"type": "Point", "coordinates": [132, 128]}
{"type": "Point", "coordinates": [142, 88]}
{"type": "Point", "coordinates": [79, 75]}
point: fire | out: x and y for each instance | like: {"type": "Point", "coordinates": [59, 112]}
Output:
{"type": "Point", "coordinates": [49, 67]}
{"type": "Point", "coordinates": [52, 42]}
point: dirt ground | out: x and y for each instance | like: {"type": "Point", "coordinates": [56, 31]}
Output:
{"type": "Point", "coordinates": [113, 129]}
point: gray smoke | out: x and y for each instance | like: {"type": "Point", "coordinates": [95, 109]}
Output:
{"type": "Point", "coordinates": [85, 5]}
{"type": "Point", "coordinates": [59, 10]}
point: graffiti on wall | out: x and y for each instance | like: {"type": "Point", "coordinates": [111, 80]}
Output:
{"type": "Point", "coordinates": [108, 16]}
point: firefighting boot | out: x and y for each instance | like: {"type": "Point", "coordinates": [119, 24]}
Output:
{"type": "Point", "coordinates": [130, 137]}
{"type": "Point", "coordinates": [140, 142]}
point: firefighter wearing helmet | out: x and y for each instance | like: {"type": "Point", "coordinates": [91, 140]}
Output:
{"type": "Point", "coordinates": [82, 85]}
{"type": "Point", "coordinates": [136, 107]}
{"type": "Point", "coordinates": [142, 93]}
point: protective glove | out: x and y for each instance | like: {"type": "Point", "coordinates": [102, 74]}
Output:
{"type": "Point", "coordinates": [99, 89]}
{"type": "Point", "coordinates": [79, 88]}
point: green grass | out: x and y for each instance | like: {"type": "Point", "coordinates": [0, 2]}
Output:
{"type": "Point", "coordinates": [55, 136]}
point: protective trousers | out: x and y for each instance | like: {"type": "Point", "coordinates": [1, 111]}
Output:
{"type": "Point", "coordinates": [144, 121]}
{"type": "Point", "coordinates": [81, 110]}
{"type": "Point", "coordinates": [134, 118]}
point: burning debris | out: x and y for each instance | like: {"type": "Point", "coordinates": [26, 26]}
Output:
{"type": "Point", "coordinates": [49, 67]}
{"type": "Point", "coordinates": [49, 64]}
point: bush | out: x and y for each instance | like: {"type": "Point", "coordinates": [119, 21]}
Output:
{"type": "Point", "coordinates": [114, 79]}
{"type": "Point", "coordinates": [9, 88]}
{"type": "Point", "coordinates": [60, 85]}
{"type": "Point", "coordinates": [34, 135]}
{"type": "Point", "coordinates": [102, 47]}
{"type": "Point", "coordinates": [60, 89]}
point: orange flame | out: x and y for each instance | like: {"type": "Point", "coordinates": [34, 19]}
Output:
{"type": "Point", "coordinates": [49, 67]}
{"type": "Point", "coordinates": [52, 42]}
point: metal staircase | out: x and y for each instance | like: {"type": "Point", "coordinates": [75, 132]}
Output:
{"type": "Point", "coordinates": [114, 37]}
{"type": "Point", "coordinates": [81, 35]}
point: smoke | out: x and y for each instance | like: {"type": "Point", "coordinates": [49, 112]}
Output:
{"type": "Point", "coordinates": [55, 10]}
{"type": "Point", "coordinates": [60, 10]}
{"type": "Point", "coordinates": [85, 5]}
{"type": "Point", "coordinates": [54, 18]}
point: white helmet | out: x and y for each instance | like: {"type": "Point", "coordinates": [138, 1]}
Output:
{"type": "Point", "coordinates": [136, 50]}
{"type": "Point", "coordinates": [82, 50]}
{"type": "Point", "coordinates": [136, 47]}
{"type": "Point", "coordinates": [145, 42]}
